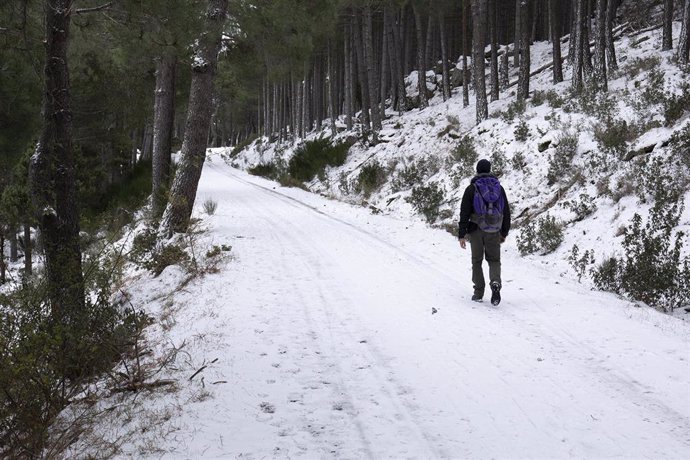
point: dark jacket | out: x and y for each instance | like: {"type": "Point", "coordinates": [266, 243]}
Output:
{"type": "Point", "coordinates": [467, 209]}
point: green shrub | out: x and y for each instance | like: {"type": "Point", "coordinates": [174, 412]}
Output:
{"type": "Point", "coordinates": [518, 161]}
{"type": "Point", "coordinates": [210, 206]}
{"type": "Point", "coordinates": [595, 103]}
{"type": "Point", "coordinates": [411, 174]}
{"type": "Point", "coordinates": [498, 163]}
{"type": "Point", "coordinates": [655, 180]}
{"type": "Point", "coordinates": [465, 155]}
{"type": "Point", "coordinates": [371, 177]}
{"type": "Point", "coordinates": [578, 262]}
{"type": "Point", "coordinates": [561, 162]}
{"type": "Point", "coordinates": [543, 236]}
{"type": "Point", "coordinates": [268, 170]}
{"type": "Point", "coordinates": [426, 200]}
{"type": "Point", "coordinates": [636, 66]}
{"type": "Point", "coordinates": [613, 136]}
{"type": "Point", "coordinates": [166, 256]}
{"type": "Point", "coordinates": [45, 363]}
{"type": "Point", "coordinates": [582, 208]}
{"type": "Point", "coordinates": [312, 158]}
{"type": "Point", "coordinates": [675, 105]}
{"type": "Point", "coordinates": [521, 131]}
{"type": "Point", "coordinates": [241, 146]}
{"type": "Point", "coordinates": [514, 109]}
{"type": "Point", "coordinates": [652, 268]}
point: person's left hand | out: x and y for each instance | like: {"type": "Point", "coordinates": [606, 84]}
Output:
{"type": "Point", "coordinates": [463, 243]}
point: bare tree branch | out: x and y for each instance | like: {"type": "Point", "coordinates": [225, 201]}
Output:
{"type": "Point", "coordinates": [94, 9]}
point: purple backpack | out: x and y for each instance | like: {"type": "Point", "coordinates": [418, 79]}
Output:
{"type": "Point", "coordinates": [488, 204]}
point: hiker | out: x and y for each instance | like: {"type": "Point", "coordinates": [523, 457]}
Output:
{"type": "Point", "coordinates": [485, 222]}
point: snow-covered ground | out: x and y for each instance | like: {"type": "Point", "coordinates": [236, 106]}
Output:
{"type": "Point", "coordinates": [320, 340]}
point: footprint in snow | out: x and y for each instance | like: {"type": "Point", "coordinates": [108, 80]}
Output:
{"type": "Point", "coordinates": [267, 407]}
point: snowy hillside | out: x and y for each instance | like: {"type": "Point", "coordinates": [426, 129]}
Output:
{"type": "Point", "coordinates": [591, 164]}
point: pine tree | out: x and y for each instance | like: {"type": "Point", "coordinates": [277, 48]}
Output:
{"type": "Point", "coordinates": [555, 27]}
{"type": "Point", "coordinates": [53, 174]}
{"type": "Point", "coordinates": [684, 42]}
{"type": "Point", "coordinates": [204, 65]}
{"type": "Point", "coordinates": [601, 81]}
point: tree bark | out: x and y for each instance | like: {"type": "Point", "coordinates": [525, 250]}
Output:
{"type": "Point", "coordinates": [465, 33]}
{"type": "Point", "coordinates": [163, 122]}
{"type": "Point", "coordinates": [518, 35]}
{"type": "Point", "coordinates": [14, 246]}
{"type": "Point", "coordinates": [684, 42]}
{"type": "Point", "coordinates": [53, 175]}
{"type": "Point", "coordinates": [204, 63]}
{"type": "Point", "coordinates": [331, 91]}
{"type": "Point", "coordinates": [28, 265]}
{"type": "Point", "coordinates": [577, 42]}
{"type": "Point", "coordinates": [362, 71]}
{"type": "Point", "coordinates": [421, 68]}
{"type": "Point", "coordinates": [600, 47]}
{"type": "Point", "coordinates": [493, 34]}
{"type": "Point", "coordinates": [610, 47]}
{"type": "Point", "coordinates": [348, 83]}
{"type": "Point", "coordinates": [479, 17]}
{"type": "Point", "coordinates": [554, 21]}
{"type": "Point", "coordinates": [372, 78]}
{"type": "Point", "coordinates": [523, 84]}
{"type": "Point", "coordinates": [667, 42]}
{"type": "Point", "coordinates": [444, 57]}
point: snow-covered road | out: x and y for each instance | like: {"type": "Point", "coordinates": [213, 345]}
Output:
{"type": "Point", "coordinates": [324, 333]}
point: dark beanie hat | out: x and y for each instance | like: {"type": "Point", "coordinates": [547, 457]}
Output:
{"type": "Point", "coordinates": [483, 166]}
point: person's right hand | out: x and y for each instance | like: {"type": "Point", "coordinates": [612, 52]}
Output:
{"type": "Point", "coordinates": [463, 243]}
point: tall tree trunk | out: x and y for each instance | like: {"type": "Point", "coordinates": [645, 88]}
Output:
{"type": "Point", "coordinates": [577, 42]}
{"type": "Point", "coordinates": [28, 265]}
{"type": "Point", "coordinates": [348, 83]}
{"type": "Point", "coordinates": [429, 42]}
{"type": "Point", "coordinates": [386, 68]}
{"type": "Point", "coordinates": [421, 68]}
{"type": "Point", "coordinates": [668, 25]}
{"type": "Point", "coordinates": [372, 78]}
{"type": "Point", "coordinates": [600, 47]}
{"type": "Point", "coordinates": [331, 90]}
{"type": "Point", "coordinates": [53, 174]}
{"type": "Point", "coordinates": [14, 246]}
{"type": "Point", "coordinates": [204, 64]}
{"type": "Point", "coordinates": [146, 145]}
{"type": "Point", "coordinates": [394, 54]}
{"type": "Point", "coordinates": [523, 80]}
{"type": "Point", "coordinates": [3, 265]}
{"type": "Point", "coordinates": [505, 69]}
{"type": "Point", "coordinates": [586, 37]}
{"type": "Point", "coordinates": [518, 35]}
{"type": "Point", "coordinates": [444, 57]}
{"type": "Point", "coordinates": [554, 21]}
{"type": "Point", "coordinates": [610, 47]}
{"type": "Point", "coordinates": [479, 17]}
{"type": "Point", "coordinates": [163, 122]}
{"type": "Point", "coordinates": [362, 71]}
{"type": "Point", "coordinates": [493, 34]}
{"type": "Point", "coordinates": [684, 42]}
{"type": "Point", "coordinates": [465, 40]}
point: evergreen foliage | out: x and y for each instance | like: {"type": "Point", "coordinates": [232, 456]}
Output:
{"type": "Point", "coordinates": [312, 158]}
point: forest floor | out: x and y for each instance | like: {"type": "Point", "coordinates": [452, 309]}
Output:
{"type": "Point", "coordinates": [335, 333]}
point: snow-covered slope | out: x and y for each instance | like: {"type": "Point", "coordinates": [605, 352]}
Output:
{"type": "Point", "coordinates": [334, 333]}
{"type": "Point", "coordinates": [595, 193]}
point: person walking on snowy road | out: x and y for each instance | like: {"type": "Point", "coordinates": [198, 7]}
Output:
{"type": "Point", "coordinates": [485, 222]}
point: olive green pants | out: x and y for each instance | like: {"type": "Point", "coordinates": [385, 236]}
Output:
{"type": "Point", "coordinates": [485, 246]}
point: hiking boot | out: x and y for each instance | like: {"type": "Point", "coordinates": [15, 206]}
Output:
{"type": "Point", "coordinates": [495, 293]}
{"type": "Point", "coordinates": [477, 297]}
